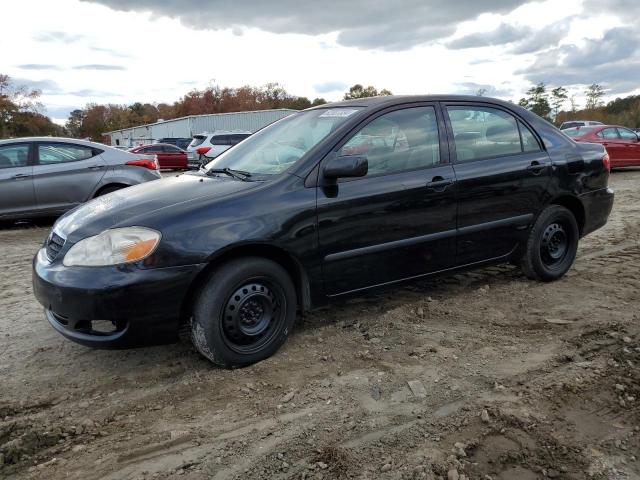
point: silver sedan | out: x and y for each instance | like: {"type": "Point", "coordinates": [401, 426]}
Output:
{"type": "Point", "coordinates": [46, 176]}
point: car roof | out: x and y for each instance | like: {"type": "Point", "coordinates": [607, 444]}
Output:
{"type": "Point", "coordinates": [53, 139]}
{"type": "Point", "coordinates": [400, 99]}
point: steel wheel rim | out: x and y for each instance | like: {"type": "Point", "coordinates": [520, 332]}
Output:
{"type": "Point", "coordinates": [555, 244]}
{"type": "Point", "coordinates": [251, 315]}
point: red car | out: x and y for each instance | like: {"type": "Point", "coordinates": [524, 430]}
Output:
{"type": "Point", "coordinates": [622, 144]}
{"type": "Point", "coordinates": [169, 156]}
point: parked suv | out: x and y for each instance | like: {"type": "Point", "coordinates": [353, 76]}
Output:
{"type": "Point", "coordinates": [579, 123]}
{"type": "Point", "coordinates": [323, 204]}
{"type": "Point", "coordinates": [207, 146]}
{"type": "Point", "coordinates": [46, 176]}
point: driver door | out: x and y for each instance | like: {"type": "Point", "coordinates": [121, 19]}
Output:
{"type": "Point", "coordinates": [399, 220]}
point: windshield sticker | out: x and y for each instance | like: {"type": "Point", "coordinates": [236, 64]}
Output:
{"type": "Point", "coordinates": [338, 112]}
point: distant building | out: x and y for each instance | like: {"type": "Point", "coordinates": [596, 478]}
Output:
{"type": "Point", "coordinates": [186, 127]}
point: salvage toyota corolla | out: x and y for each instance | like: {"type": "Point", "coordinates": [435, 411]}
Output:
{"type": "Point", "coordinates": [328, 202]}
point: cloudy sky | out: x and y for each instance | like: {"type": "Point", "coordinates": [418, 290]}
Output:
{"type": "Point", "coordinates": [121, 51]}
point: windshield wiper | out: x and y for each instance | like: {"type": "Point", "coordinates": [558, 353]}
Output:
{"type": "Point", "coordinates": [239, 174]}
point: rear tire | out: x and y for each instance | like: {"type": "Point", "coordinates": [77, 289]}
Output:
{"type": "Point", "coordinates": [552, 245]}
{"type": "Point", "coordinates": [244, 312]}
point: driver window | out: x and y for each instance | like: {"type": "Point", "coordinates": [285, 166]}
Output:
{"type": "Point", "coordinates": [627, 134]}
{"type": "Point", "coordinates": [398, 141]}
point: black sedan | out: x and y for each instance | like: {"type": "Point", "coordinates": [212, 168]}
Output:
{"type": "Point", "coordinates": [325, 203]}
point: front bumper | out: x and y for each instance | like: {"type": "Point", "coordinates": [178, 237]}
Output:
{"type": "Point", "coordinates": [597, 208]}
{"type": "Point", "coordinates": [139, 306]}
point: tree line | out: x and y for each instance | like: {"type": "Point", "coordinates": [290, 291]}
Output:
{"type": "Point", "coordinates": [550, 103]}
{"type": "Point", "coordinates": [20, 108]}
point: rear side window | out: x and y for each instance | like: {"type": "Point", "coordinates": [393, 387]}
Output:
{"type": "Point", "coordinates": [237, 138]}
{"type": "Point", "coordinates": [609, 133]}
{"type": "Point", "coordinates": [198, 140]}
{"type": "Point", "coordinates": [627, 134]}
{"type": "Point", "coordinates": [52, 153]}
{"type": "Point", "coordinates": [171, 149]}
{"type": "Point", "coordinates": [398, 141]}
{"type": "Point", "coordinates": [529, 140]}
{"type": "Point", "coordinates": [485, 132]}
{"type": "Point", "coordinates": [220, 140]}
{"type": "Point", "coordinates": [14, 155]}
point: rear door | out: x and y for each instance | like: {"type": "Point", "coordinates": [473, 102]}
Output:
{"type": "Point", "coordinates": [502, 173]}
{"type": "Point", "coordinates": [16, 179]}
{"type": "Point", "coordinates": [65, 174]}
{"type": "Point", "coordinates": [631, 146]}
{"type": "Point", "coordinates": [398, 221]}
{"type": "Point", "coordinates": [614, 144]}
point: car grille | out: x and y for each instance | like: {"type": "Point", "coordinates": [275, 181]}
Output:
{"type": "Point", "coordinates": [54, 245]}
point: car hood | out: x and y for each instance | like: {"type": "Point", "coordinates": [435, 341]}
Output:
{"type": "Point", "coordinates": [138, 204]}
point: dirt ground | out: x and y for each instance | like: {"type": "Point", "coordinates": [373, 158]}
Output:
{"type": "Point", "coordinates": [483, 375]}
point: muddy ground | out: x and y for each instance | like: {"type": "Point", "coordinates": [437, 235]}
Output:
{"type": "Point", "coordinates": [521, 380]}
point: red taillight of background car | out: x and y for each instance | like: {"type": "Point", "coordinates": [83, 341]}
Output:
{"type": "Point", "coordinates": [606, 161]}
{"type": "Point", "coordinates": [146, 163]}
{"type": "Point", "coordinates": [202, 150]}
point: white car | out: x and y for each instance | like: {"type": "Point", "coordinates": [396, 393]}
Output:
{"type": "Point", "coordinates": [207, 146]}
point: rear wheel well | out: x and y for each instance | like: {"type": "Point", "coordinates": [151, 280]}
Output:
{"type": "Point", "coordinates": [575, 207]}
{"type": "Point", "coordinates": [110, 187]}
{"type": "Point", "coordinates": [275, 254]}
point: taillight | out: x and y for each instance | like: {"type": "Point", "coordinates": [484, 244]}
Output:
{"type": "Point", "coordinates": [202, 150]}
{"type": "Point", "coordinates": [606, 161]}
{"type": "Point", "coordinates": [150, 164]}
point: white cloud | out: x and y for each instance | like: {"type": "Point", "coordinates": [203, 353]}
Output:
{"type": "Point", "coordinates": [95, 54]}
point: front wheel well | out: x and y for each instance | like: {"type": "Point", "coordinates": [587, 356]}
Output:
{"type": "Point", "coordinates": [275, 254]}
{"type": "Point", "coordinates": [574, 205]}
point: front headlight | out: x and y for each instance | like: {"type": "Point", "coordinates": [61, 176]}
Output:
{"type": "Point", "coordinates": [113, 247]}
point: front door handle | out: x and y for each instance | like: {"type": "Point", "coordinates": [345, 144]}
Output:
{"type": "Point", "coordinates": [95, 167]}
{"type": "Point", "coordinates": [20, 176]}
{"type": "Point", "coordinates": [536, 167]}
{"type": "Point", "coordinates": [440, 184]}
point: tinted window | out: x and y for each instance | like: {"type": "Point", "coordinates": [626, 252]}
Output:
{"type": "Point", "coordinates": [220, 140]}
{"type": "Point", "coordinates": [610, 133]}
{"type": "Point", "coordinates": [171, 149]}
{"type": "Point", "coordinates": [237, 138]}
{"type": "Point", "coordinates": [14, 155]}
{"type": "Point", "coordinates": [397, 141]}
{"type": "Point", "coordinates": [529, 140]}
{"type": "Point", "coordinates": [483, 132]}
{"type": "Point", "coordinates": [198, 140]}
{"type": "Point", "coordinates": [51, 153]}
{"type": "Point", "coordinates": [627, 134]}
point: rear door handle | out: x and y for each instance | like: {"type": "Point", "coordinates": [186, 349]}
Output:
{"type": "Point", "coordinates": [440, 184]}
{"type": "Point", "coordinates": [536, 167]}
{"type": "Point", "coordinates": [20, 176]}
{"type": "Point", "coordinates": [95, 167]}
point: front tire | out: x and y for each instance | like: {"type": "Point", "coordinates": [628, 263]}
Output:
{"type": "Point", "coordinates": [244, 312]}
{"type": "Point", "coordinates": [552, 245]}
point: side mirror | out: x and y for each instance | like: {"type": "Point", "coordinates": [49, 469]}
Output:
{"type": "Point", "coordinates": [346, 166]}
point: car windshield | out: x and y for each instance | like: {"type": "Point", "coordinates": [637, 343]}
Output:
{"type": "Point", "coordinates": [577, 132]}
{"type": "Point", "coordinates": [277, 147]}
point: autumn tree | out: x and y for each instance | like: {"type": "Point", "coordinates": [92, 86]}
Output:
{"type": "Point", "coordinates": [19, 111]}
{"type": "Point", "coordinates": [358, 91]}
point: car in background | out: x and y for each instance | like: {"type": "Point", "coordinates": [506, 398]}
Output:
{"type": "Point", "coordinates": [579, 123]}
{"type": "Point", "coordinates": [181, 143]}
{"type": "Point", "coordinates": [207, 146]}
{"type": "Point", "coordinates": [169, 156]}
{"type": "Point", "coordinates": [622, 144]}
{"type": "Point", "coordinates": [46, 176]}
